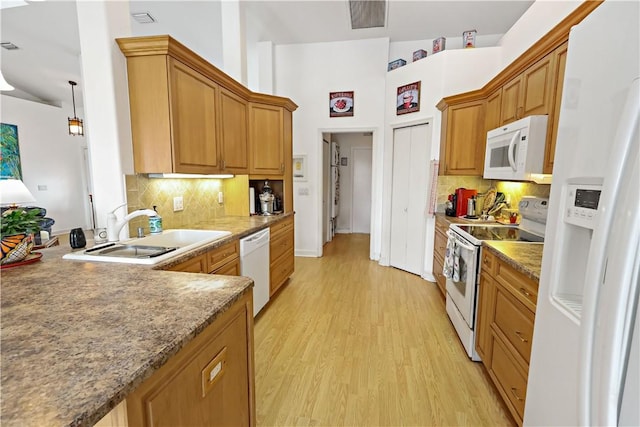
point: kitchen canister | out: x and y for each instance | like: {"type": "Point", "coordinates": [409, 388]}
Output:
{"type": "Point", "coordinates": [155, 223]}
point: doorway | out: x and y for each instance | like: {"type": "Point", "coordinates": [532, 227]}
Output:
{"type": "Point", "coordinates": [411, 148]}
{"type": "Point", "coordinates": [352, 174]}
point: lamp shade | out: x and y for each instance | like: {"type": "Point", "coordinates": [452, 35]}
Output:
{"type": "Point", "coordinates": [13, 192]}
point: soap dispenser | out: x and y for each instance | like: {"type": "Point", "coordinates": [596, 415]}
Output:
{"type": "Point", "coordinates": [155, 222]}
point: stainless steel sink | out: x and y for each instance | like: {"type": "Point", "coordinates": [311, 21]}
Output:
{"type": "Point", "coordinates": [129, 251]}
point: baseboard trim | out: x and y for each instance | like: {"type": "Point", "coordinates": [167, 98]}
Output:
{"type": "Point", "coordinates": [306, 253]}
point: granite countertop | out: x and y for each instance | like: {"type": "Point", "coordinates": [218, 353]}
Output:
{"type": "Point", "coordinates": [77, 337]}
{"type": "Point", "coordinates": [524, 257]}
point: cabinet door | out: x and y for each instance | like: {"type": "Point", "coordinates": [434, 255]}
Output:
{"type": "Point", "coordinates": [208, 383]}
{"type": "Point", "coordinates": [194, 265]}
{"type": "Point", "coordinates": [492, 114]}
{"type": "Point", "coordinates": [552, 134]}
{"type": "Point", "coordinates": [193, 113]}
{"type": "Point", "coordinates": [266, 136]}
{"type": "Point", "coordinates": [510, 103]}
{"type": "Point", "coordinates": [486, 309]}
{"type": "Point", "coordinates": [537, 88]}
{"type": "Point", "coordinates": [234, 140]}
{"type": "Point", "coordinates": [465, 139]}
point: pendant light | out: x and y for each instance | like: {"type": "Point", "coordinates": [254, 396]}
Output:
{"type": "Point", "coordinates": [75, 124]}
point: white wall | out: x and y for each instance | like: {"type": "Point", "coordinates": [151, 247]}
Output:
{"type": "Point", "coordinates": [306, 73]}
{"type": "Point", "coordinates": [538, 20]}
{"type": "Point", "coordinates": [443, 74]}
{"type": "Point", "coordinates": [348, 141]}
{"type": "Point", "coordinates": [51, 157]}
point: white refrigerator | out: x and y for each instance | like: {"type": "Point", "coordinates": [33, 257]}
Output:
{"type": "Point", "coordinates": [584, 361]}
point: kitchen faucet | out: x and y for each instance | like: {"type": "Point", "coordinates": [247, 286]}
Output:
{"type": "Point", "coordinates": [114, 226]}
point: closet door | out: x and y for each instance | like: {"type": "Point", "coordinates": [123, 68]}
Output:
{"type": "Point", "coordinates": [411, 147]}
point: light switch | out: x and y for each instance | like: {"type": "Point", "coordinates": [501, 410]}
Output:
{"type": "Point", "coordinates": [303, 191]}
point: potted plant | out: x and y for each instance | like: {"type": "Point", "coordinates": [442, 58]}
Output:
{"type": "Point", "coordinates": [16, 230]}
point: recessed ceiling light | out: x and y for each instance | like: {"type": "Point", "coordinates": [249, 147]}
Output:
{"type": "Point", "coordinates": [9, 46]}
{"type": "Point", "coordinates": [143, 18]}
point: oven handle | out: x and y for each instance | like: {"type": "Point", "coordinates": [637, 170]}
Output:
{"type": "Point", "coordinates": [459, 242]}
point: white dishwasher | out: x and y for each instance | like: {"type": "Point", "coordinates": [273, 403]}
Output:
{"type": "Point", "coordinates": [254, 263]}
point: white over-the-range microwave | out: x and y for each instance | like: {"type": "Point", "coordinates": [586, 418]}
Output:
{"type": "Point", "coordinates": [515, 152]}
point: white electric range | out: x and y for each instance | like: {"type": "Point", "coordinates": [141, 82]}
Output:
{"type": "Point", "coordinates": [465, 242]}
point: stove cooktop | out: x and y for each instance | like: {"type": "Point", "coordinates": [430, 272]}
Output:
{"type": "Point", "coordinates": [500, 232]}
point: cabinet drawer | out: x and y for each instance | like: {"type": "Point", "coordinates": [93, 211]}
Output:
{"type": "Point", "coordinates": [488, 261]}
{"type": "Point", "coordinates": [522, 287]}
{"type": "Point", "coordinates": [511, 383]}
{"type": "Point", "coordinates": [440, 244]}
{"type": "Point", "coordinates": [222, 255]}
{"type": "Point", "coordinates": [515, 321]}
{"type": "Point", "coordinates": [283, 226]}
{"type": "Point", "coordinates": [193, 265]}
{"type": "Point", "coordinates": [437, 272]}
{"type": "Point", "coordinates": [280, 271]}
{"type": "Point", "coordinates": [442, 225]}
{"type": "Point", "coordinates": [282, 243]}
{"type": "Point", "coordinates": [231, 268]}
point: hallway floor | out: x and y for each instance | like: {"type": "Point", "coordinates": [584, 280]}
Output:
{"type": "Point", "coordinates": [350, 343]}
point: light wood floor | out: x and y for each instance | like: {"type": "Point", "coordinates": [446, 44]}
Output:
{"type": "Point", "coordinates": [350, 343]}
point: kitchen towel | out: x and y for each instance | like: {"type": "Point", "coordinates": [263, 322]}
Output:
{"type": "Point", "coordinates": [454, 267]}
{"type": "Point", "coordinates": [447, 268]}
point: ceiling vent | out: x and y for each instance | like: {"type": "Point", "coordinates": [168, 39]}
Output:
{"type": "Point", "coordinates": [367, 13]}
{"type": "Point", "coordinates": [9, 46]}
{"type": "Point", "coordinates": [143, 18]}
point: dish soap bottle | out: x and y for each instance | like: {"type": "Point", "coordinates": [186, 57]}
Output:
{"type": "Point", "coordinates": [155, 223]}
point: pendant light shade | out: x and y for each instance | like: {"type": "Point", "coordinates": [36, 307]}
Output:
{"type": "Point", "coordinates": [76, 127]}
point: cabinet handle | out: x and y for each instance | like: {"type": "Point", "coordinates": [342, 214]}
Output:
{"type": "Point", "coordinates": [223, 165]}
{"type": "Point", "coordinates": [519, 113]}
{"type": "Point", "coordinates": [513, 391]}
{"type": "Point", "coordinates": [524, 292]}
{"type": "Point", "coordinates": [281, 167]}
{"type": "Point", "coordinates": [519, 334]}
{"type": "Point", "coordinates": [486, 260]}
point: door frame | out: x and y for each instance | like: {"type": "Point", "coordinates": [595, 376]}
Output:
{"type": "Point", "coordinates": [376, 134]}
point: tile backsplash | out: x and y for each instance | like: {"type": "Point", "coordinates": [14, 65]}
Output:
{"type": "Point", "coordinates": [200, 200]}
{"type": "Point", "coordinates": [513, 191]}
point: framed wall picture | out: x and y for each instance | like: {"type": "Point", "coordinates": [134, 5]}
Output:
{"type": "Point", "coordinates": [408, 98]}
{"type": "Point", "coordinates": [340, 104]}
{"type": "Point", "coordinates": [300, 167]}
{"type": "Point", "coordinates": [10, 152]}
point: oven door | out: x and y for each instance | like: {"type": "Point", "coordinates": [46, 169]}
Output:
{"type": "Point", "coordinates": [463, 293]}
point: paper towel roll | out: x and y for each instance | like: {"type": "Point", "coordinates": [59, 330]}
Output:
{"type": "Point", "coordinates": [252, 200]}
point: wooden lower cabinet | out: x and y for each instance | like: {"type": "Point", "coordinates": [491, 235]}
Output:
{"type": "Point", "coordinates": [506, 316]}
{"type": "Point", "coordinates": [221, 260]}
{"type": "Point", "coordinates": [210, 382]}
{"type": "Point", "coordinates": [439, 250]}
{"type": "Point", "coordinates": [281, 254]}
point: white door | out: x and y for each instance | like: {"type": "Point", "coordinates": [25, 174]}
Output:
{"type": "Point", "coordinates": [361, 190]}
{"type": "Point", "coordinates": [411, 147]}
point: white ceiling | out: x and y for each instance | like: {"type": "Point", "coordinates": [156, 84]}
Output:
{"type": "Point", "coordinates": [47, 31]}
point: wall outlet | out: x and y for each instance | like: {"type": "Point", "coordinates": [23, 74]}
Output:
{"type": "Point", "coordinates": [220, 197]}
{"type": "Point", "coordinates": [178, 204]}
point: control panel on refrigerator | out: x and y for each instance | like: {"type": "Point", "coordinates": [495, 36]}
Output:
{"type": "Point", "coordinates": [581, 205]}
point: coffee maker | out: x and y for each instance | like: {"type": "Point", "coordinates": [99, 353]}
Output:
{"type": "Point", "coordinates": [267, 200]}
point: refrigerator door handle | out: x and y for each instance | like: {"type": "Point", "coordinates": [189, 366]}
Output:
{"type": "Point", "coordinates": [511, 151]}
{"type": "Point", "coordinates": [608, 307]}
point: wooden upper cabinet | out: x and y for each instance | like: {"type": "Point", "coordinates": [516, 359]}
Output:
{"type": "Point", "coordinates": [529, 93]}
{"type": "Point", "coordinates": [194, 100]}
{"type": "Point", "coordinates": [492, 112]}
{"type": "Point", "coordinates": [463, 137]}
{"type": "Point", "coordinates": [552, 133]}
{"type": "Point", "coordinates": [266, 124]}
{"type": "Point", "coordinates": [234, 139]}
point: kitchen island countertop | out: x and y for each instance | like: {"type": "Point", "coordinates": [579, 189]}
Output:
{"type": "Point", "coordinates": [77, 337]}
